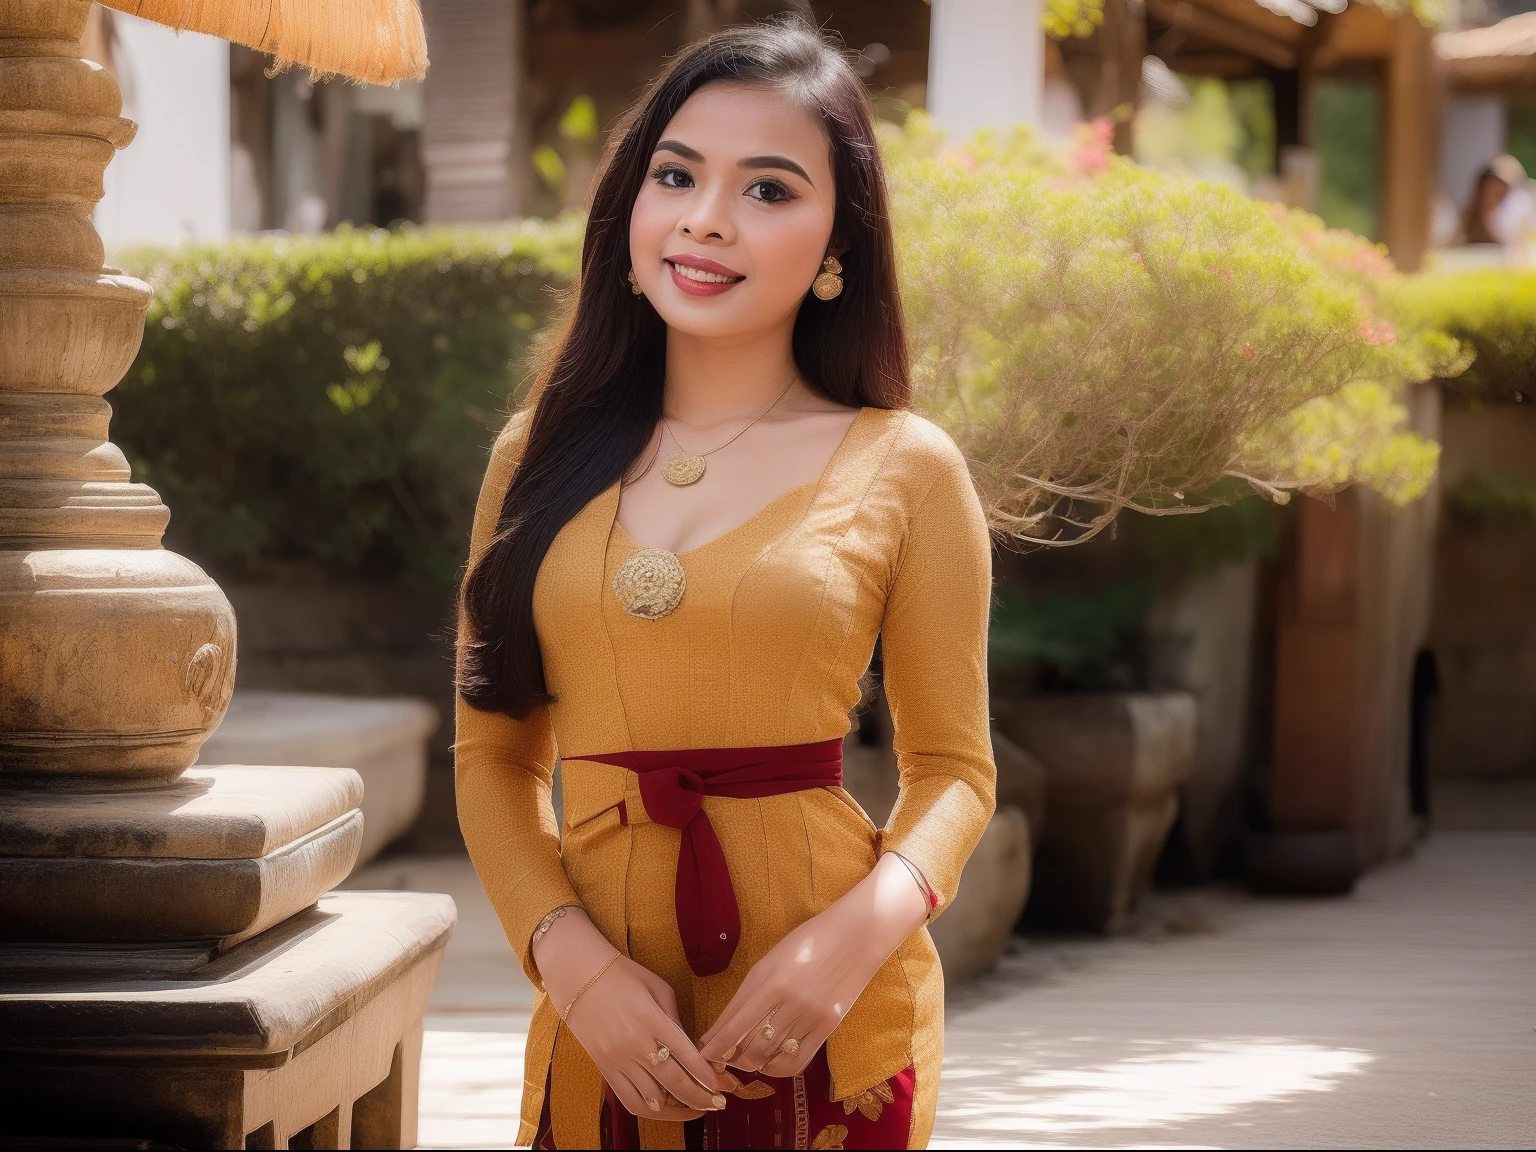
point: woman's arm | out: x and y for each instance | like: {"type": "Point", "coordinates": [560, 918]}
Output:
{"type": "Point", "coordinates": [503, 770]}
{"type": "Point", "coordinates": [934, 644]}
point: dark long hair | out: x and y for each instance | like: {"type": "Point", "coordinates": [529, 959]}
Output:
{"type": "Point", "coordinates": [598, 395]}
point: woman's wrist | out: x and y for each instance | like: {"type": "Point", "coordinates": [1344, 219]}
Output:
{"type": "Point", "coordinates": [880, 911]}
{"type": "Point", "coordinates": [568, 952]}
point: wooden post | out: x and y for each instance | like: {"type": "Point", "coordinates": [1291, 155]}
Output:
{"type": "Point", "coordinates": [1122, 45]}
{"type": "Point", "coordinates": [475, 141]}
{"type": "Point", "coordinates": [1408, 134]}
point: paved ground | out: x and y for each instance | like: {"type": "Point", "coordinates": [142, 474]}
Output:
{"type": "Point", "coordinates": [1401, 1016]}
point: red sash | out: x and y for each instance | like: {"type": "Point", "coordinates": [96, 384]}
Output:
{"type": "Point", "coordinates": [673, 786]}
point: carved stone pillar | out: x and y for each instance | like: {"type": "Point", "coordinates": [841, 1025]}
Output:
{"type": "Point", "coordinates": [172, 970]}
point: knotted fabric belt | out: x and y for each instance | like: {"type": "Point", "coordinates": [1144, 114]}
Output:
{"type": "Point", "coordinates": [673, 786]}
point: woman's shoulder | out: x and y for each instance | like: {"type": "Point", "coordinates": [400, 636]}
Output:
{"type": "Point", "coordinates": [513, 436]}
{"type": "Point", "coordinates": [918, 450]}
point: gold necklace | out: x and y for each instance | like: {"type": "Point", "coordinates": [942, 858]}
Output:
{"type": "Point", "coordinates": [684, 467]}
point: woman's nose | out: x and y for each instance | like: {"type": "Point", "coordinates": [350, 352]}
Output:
{"type": "Point", "coordinates": [707, 216]}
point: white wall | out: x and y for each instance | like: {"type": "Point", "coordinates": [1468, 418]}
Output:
{"type": "Point", "coordinates": [172, 183]}
{"type": "Point", "coordinates": [986, 64]}
{"type": "Point", "coordinates": [1474, 130]}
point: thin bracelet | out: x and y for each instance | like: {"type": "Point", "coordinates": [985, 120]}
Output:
{"type": "Point", "coordinates": [922, 885]}
{"type": "Point", "coordinates": [549, 922]}
{"type": "Point", "coordinates": [596, 976]}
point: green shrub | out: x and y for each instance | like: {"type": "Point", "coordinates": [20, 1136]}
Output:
{"type": "Point", "coordinates": [331, 399]}
{"type": "Point", "coordinates": [1494, 311]}
{"type": "Point", "coordinates": [1097, 336]}
{"type": "Point", "coordinates": [1481, 497]}
{"type": "Point", "coordinates": [1072, 640]}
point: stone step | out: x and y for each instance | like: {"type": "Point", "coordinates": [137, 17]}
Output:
{"type": "Point", "coordinates": [215, 858]}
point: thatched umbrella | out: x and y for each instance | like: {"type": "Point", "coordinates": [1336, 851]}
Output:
{"type": "Point", "coordinates": [378, 41]}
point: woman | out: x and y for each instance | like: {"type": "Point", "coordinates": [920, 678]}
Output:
{"type": "Point", "coordinates": [1500, 209]}
{"type": "Point", "coordinates": [686, 548]}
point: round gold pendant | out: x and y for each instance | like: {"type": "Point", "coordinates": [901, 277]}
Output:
{"type": "Point", "coordinates": [650, 584]}
{"type": "Point", "coordinates": [683, 468]}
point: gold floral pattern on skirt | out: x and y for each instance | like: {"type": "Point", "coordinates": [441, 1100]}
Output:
{"type": "Point", "coordinates": [871, 1103]}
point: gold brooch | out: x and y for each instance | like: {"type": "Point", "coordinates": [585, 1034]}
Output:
{"type": "Point", "coordinates": [650, 584]}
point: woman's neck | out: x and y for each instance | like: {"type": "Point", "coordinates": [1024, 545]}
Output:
{"type": "Point", "coordinates": [712, 381]}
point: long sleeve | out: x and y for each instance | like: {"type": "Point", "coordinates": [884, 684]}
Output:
{"type": "Point", "coordinates": [503, 770]}
{"type": "Point", "coordinates": [934, 645]}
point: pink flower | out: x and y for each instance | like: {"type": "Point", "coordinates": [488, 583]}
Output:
{"type": "Point", "coordinates": [1224, 273]}
{"type": "Point", "coordinates": [961, 158]}
{"type": "Point", "coordinates": [1094, 142]}
{"type": "Point", "coordinates": [1136, 259]}
{"type": "Point", "coordinates": [1377, 332]}
{"type": "Point", "coordinates": [1248, 352]}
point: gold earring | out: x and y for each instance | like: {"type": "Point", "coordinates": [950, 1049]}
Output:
{"type": "Point", "coordinates": [828, 285]}
{"type": "Point", "coordinates": [634, 285]}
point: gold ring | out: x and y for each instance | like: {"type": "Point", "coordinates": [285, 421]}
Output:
{"type": "Point", "coordinates": [790, 1047]}
{"type": "Point", "coordinates": [662, 1053]}
{"type": "Point", "coordinates": [767, 1031]}
{"type": "Point", "coordinates": [729, 1054]}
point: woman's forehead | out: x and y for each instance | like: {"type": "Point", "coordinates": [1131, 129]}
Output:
{"type": "Point", "coordinates": [726, 121]}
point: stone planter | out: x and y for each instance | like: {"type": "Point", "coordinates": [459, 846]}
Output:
{"type": "Point", "coordinates": [1113, 765]}
{"type": "Point", "coordinates": [1204, 629]}
{"type": "Point", "coordinates": [383, 740]}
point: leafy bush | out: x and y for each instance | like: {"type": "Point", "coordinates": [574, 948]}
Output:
{"type": "Point", "coordinates": [1099, 337]}
{"type": "Point", "coordinates": [1073, 640]}
{"type": "Point", "coordinates": [1481, 497]}
{"type": "Point", "coordinates": [332, 398]}
{"type": "Point", "coordinates": [1494, 311]}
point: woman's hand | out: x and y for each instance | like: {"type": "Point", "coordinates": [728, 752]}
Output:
{"type": "Point", "coordinates": [805, 985]}
{"type": "Point", "coordinates": [623, 1020]}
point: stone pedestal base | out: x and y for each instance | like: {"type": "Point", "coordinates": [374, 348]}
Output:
{"type": "Point", "coordinates": [161, 879]}
{"type": "Point", "coordinates": [307, 1036]}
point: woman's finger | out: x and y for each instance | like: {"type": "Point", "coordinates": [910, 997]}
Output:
{"type": "Point", "coordinates": [672, 1108]}
{"type": "Point", "coordinates": [786, 1063]}
{"type": "Point", "coordinates": [684, 1088]}
{"type": "Point", "coordinates": [631, 1097]}
{"type": "Point", "coordinates": [745, 996]}
{"type": "Point", "coordinates": [732, 1031]}
{"type": "Point", "coordinates": [761, 1044]}
{"type": "Point", "coordinates": [680, 1049]}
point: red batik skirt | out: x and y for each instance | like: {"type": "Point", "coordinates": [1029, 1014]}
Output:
{"type": "Point", "coordinates": [778, 1112]}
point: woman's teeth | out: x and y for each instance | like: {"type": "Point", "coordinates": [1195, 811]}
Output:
{"type": "Point", "coordinates": [702, 276]}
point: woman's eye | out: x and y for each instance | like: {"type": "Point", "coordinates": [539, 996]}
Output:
{"type": "Point", "coordinates": [769, 191]}
{"type": "Point", "coordinates": [671, 177]}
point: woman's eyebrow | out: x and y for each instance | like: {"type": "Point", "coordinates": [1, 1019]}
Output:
{"type": "Point", "coordinates": [681, 149]}
{"type": "Point", "coordinates": [781, 162]}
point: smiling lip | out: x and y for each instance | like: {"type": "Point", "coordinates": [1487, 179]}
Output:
{"type": "Point", "coordinates": [700, 276]}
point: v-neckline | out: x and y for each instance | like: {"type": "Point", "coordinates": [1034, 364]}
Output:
{"type": "Point", "coordinates": [816, 484]}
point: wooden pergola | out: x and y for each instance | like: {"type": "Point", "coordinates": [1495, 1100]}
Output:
{"type": "Point", "coordinates": [1290, 43]}
{"type": "Point", "coordinates": [1499, 59]}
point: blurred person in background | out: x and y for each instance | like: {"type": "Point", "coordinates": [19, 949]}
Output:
{"type": "Point", "coordinates": [1502, 210]}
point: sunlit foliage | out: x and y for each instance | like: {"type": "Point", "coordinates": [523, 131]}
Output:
{"type": "Point", "coordinates": [1099, 337]}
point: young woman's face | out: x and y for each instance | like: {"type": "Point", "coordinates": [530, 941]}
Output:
{"type": "Point", "coordinates": [735, 217]}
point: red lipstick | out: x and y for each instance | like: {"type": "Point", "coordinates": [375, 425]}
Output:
{"type": "Point", "coordinates": [701, 276]}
